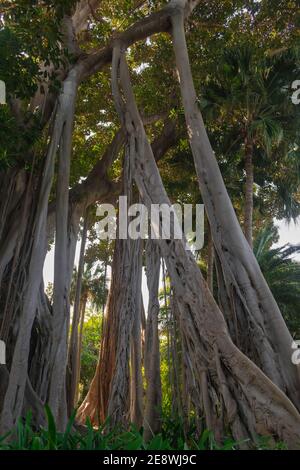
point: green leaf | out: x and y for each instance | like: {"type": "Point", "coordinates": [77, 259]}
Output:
{"type": "Point", "coordinates": [52, 435]}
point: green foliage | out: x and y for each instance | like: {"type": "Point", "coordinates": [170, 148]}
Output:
{"type": "Point", "coordinates": [30, 35]}
{"type": "Point", "coordinates": [16, 143]}
{"type": "Point", "coordinates": [24, 437]}
{"type": "Point", "coordinates": [31, 55]}
{"type": "Point", "coordinates": [90, 351]}
{"type": "Point", "coordinates": [246, 98]}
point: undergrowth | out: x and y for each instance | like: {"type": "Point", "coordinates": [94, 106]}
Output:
{"type": "Point", "coordinates": [24, 437]}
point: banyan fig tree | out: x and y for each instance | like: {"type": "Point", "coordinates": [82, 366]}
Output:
{"type": "Point", "coordinates": [105, 100]}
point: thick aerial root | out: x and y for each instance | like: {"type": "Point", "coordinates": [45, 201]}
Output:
{"type": "Point", "coordinates": [260, 405]}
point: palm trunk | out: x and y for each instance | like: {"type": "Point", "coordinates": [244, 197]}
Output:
{"type": "Point", "coordinates": [248, 212]}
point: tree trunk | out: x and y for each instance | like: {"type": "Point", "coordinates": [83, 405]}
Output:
{"type": "Point", "coordinates": [40, 347]}
{"type": "Point", "coordinates": [210, 262]}
{"type": "Point", "coordinates": [152, 417]}
{"type": "Point", "coordinates": [82, 316]}
{"type": "Point", "coordinates": [248, 212]}
{"type": "Point", "coordinates": [264, 335]}
{"type": "Point", "coordinates": [177, 403]}
{"type": "Point", "coordinates": [167, 323]}
{"type": "Point", "coordinates": [109, 391]}
{"type": "Point", "coordinates": [252, 404]}
{"type": "Point", "coordinates": [72, 369]}
{"type": "Point", "coordinates": [14, 397]}
{"type": "Point", "coordinates": [61, 306]}
{"type": "Point", "coordinates": [95, 404]}
{"type": "Point", "coordinates": [128, 308]}
{"type": "Point", "coordinates": [136, 379]}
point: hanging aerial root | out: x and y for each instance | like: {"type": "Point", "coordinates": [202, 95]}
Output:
{"type": "Point", "coordinates": [203, 324]}
{"type": "Point", "coordinates": [247, 297]}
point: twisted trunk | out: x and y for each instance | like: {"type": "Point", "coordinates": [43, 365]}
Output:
{"type": "Point", "coordinates": [224, 377]}
{"type": "Point", "coordinates": [35, 240]}
{"type": "Point", "coordinates": [264, 335]}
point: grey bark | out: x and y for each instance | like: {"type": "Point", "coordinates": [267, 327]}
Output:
{"type": "Point", "coordinates": [248, 211]}
{"type": "Point", "coordinates": [252, 403]}
{"type": "Point", "coordinates": [247, 292]}
{"type": "Point", "coordinates": [136, 379]}
{"type": "Point", "coordinates": [152, 417]}
{"type": "Point", "coordinates": [72, 370]}
{"type": "Point", "coordinates": [61, 307]}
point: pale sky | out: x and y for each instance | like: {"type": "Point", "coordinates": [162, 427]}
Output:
{"type": "Point", "coordinates": [288, 233]}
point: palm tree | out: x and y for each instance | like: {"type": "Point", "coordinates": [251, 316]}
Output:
{"type": "Point", "coordinates": [249, 94]}
{"type": "Point", "coordinates": [282, 274]}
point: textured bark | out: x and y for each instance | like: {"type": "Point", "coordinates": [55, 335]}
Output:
{"type": "Point", "coordinates": [166, 306]}
{"type": "Point", "coordinates": [176, 402]}
{"type": "Point", "coordinates": [72, 370]}
{"type": "Point", "coordinates": [14, 397]}
{"type": "Point", "coordinates": [152, 417]}
{"type": "Point", "coordinates": [127, 308]}
{"type": "Point", "coordinates": [14, 205]}
{"type": "Point", "coordinates": [248, 211]}
{"type": "Point", "coordinates": [40, 347]}
{"type": "Point", "coordinates": [84, 66]}
{"type": "Point", "coordinates": [118, 405]}
{"type": "Point", "coordinates": [220, 372]}
{"type": "Point", "coordinates": [109, 391]}
{"type": "Point", "coordinates": [252, 404]}
{"type": "Point", "coordinates": [35, 254]}
{"type": "Point", "coordinates": [210, 262]}
{"type": "Point", "coordinates": [4, 378]}
{"type": "Point", "coordinates": [264, 335]}
{"type": "Point", "coordinates": [136, 379]}
{"type": "Point", "coordinates": [95, 404]}
{"type": "Point", "coordinates": [61, 307]}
